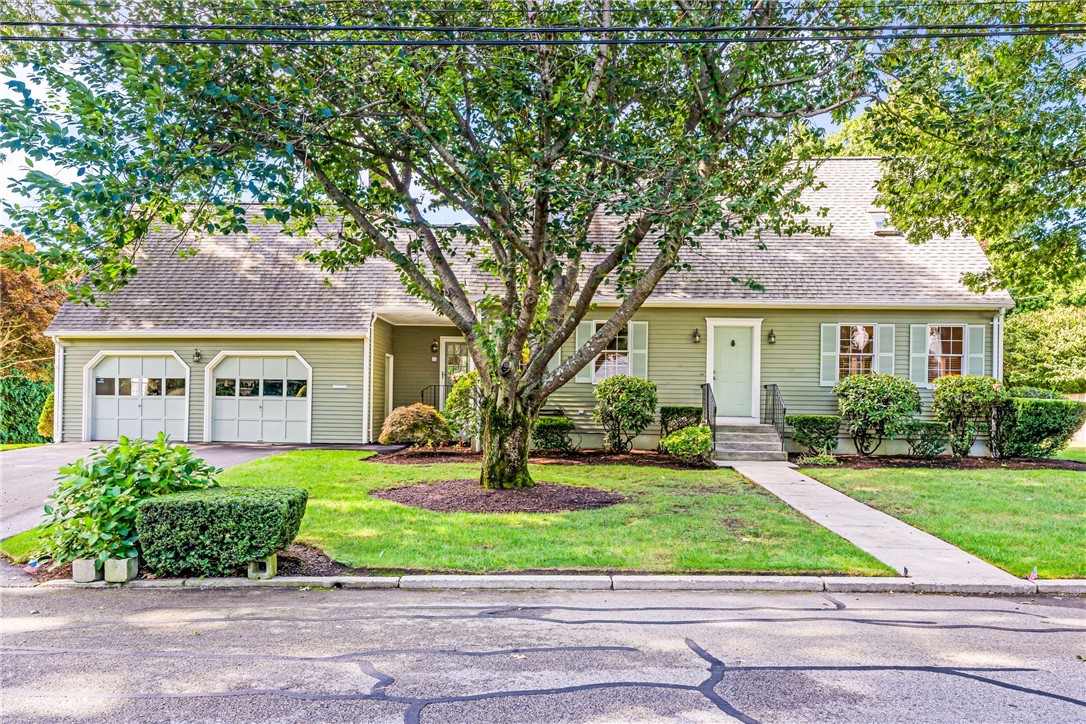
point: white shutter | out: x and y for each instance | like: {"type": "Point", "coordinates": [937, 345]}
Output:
{"type": "Point", "coordinates": [639, 349]}
{"type": "Point", "coordinates": [830, 343]}
{"type": "Point", "coordinates": [974, 349]}
{"type": "Point", "coordinates": [884, 360]}
{"type": "Point", "coordinates": [584, 331]}
{"type": "Point", "coordinates": [918, 354]}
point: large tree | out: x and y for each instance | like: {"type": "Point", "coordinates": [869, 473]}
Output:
{"type": "Point", "coordinates": [533, 139]}
{"type": "Point", "coordinates": [27, 306]}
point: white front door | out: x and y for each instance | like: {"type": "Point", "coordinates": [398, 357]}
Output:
{"type": "Point", "coordinates": [733, 371]}
{"type": "Point", "coordinates": [260, 399]}
{"type": "Point", "coordinates": [138, 397]}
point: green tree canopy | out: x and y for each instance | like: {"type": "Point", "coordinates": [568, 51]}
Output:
{"type": "Point", "coordinates": [533, 139]}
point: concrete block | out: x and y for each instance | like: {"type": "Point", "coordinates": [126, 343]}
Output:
{"type": "Point", "coordinates": [85, 570]}
{"type": "Point", "coordinates": [1070, 586]}
{"type": "Point", "coordinates": [558, 582]}
{"type": "Point", "coordinates": [264, 568]}
{"type": "Point", "coordinates": [717, 583]}
{"type": "Point", "coordinates": [861, 584]}
{"type": "Point", "coordinates": [120, 570]}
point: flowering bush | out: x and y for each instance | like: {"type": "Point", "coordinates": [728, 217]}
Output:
{"type": "Point", "coordinates": [92, 512]}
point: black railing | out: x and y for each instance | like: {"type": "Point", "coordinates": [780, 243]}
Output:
{"type": "Point", "coordinates": [435, 395]}
{"type": "Point", "coordinates": [708, 408]}
{"type": "Point", "coordinates": [774, 411]}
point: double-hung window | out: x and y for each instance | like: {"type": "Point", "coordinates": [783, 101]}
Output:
{"type": "Point", "coordinates": [946, 351]}
{"type": "Point", "coordinates": [615, 357]}
{"type": "Point", "coordinates": [856, 349]}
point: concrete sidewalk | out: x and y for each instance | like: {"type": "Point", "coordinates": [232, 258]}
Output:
{"type": "Point", "coordinates": [898, 545]}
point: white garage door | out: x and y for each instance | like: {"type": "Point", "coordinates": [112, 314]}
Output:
{"type": "Point", "coordinates": [260, 399]}
{"type": "Point", "coordinates": [138, 397]}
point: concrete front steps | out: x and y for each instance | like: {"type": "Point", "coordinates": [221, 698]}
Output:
{"type": "Point", "coordinates": [749, 443]}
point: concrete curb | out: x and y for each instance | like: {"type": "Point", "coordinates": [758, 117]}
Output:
{"type": "Point", "coordinates": [618, 582]}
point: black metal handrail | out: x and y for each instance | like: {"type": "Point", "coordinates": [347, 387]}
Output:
{"type": "Point", "coordinates": [435, 395]}
{"type": "Point", "coordinates": [708, 408]}
{"type": "Point", "coordinates": [774, 411]}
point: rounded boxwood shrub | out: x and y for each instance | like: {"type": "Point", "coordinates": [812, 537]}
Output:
{"type": "Point", "coordinates": [416, 424]}
{"type": "Point", "coordinates": [967, 404]}
{"type": "Point", "coordinates": [463, 405]}
{"type": "Point", "coordinates": [876, 407]}
{"type": "Point", "coordinates": [817, 433]}
{"type": "Point", "coordinates": [1033, 427]}
{"type": "Point", "coordinates": [212, 532]}
{"type": "Point", "coordinates": [92, 513]}
{"type": "Point", "coordinates": [624, 407]}
{"type": "Point", "coordinates": [674, 418]}
{"type": "Point", "coordinates": [691, 446]}
{"type": "Point", "coordinates": [552, 433]}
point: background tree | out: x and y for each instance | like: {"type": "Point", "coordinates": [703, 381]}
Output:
{"type": "Point", "coordinates": [27, 306]}
{"type": "Point", "coordinates": [533, 139]}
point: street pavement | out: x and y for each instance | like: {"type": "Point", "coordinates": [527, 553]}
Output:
{"type": "Point", "coordinates": [27, 474]}
{"type": "Point", "coordinates": [204, 655]}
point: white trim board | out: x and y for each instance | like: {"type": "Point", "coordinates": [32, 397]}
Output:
{"type": "Point", "coordinates": [209, 333]}
{"type": "Point", "coordinates": [755, 323]}
{"type": "Point", "coordinates": [88, 387]}
{"type": "Point", "coordinates": [209, 384]}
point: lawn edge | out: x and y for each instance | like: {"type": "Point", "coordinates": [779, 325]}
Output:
{"type": "Point", "coordinates": [778, 584]}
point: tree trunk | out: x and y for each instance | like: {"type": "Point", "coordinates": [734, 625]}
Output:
{"type": "Point", "coordinates": [506, 435]}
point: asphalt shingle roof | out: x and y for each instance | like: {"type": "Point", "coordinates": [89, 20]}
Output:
{"type": "Point", "coordinates": [255, 283]}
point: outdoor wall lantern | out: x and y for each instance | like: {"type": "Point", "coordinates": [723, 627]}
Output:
{"type": "Point", "coordinates": [772, 337]}
{"type": "Point", "coordinates": [433, 347]}
{"type": "Point", "coordinates": [197, 356]}
{"type": "Point", "coordinates": [696, 336]}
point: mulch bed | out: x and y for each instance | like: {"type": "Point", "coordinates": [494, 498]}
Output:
{"type": "Point", "coordinates": [468, 496]}
{"type": "Point", "coordinates": [435, 456]}
{"type": "Point", "coordinates": [953, 463]}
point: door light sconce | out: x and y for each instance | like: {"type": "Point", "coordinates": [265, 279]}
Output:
{"type": "Point", "coordinates": [696, 336]}
{"type": "Point", "coordinates": [433, 347]}
{"type": "Point", "coordinates": [197, 356]}
{"type": "Point", "coordinates": [772, 337]}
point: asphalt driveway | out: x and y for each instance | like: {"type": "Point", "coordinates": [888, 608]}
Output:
{"type": "Point", "coordinates": [26, 474]}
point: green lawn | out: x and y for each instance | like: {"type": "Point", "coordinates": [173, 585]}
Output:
{"type": "Point", "coordinates": [18, 548]}
{"type": "Point", "coordinates": [1075, 451]}
{"type": "Point", "coordinates": [1015, 519]}
{"type": "Point", "coordinates": [673, 521]}
{"type": "Point", "coordinates": [17, 445]}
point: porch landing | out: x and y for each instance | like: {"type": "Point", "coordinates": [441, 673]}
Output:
{"type": "Point", "coordinates": [909, 551]}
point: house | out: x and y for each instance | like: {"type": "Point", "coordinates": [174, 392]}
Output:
{"type": "Point", "coordinates": [244, 342]}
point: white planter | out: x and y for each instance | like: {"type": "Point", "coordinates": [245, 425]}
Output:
{"type": "Point", "coordinates": [84, 570]}
{"type": "Point", "coordinates": [119, 570]}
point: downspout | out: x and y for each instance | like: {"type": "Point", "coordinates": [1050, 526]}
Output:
{"type": "Point", "coordinates": [997, 346]}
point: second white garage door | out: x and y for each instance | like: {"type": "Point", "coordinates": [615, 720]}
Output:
{"type": "Point", "coordinates": [260, 399]}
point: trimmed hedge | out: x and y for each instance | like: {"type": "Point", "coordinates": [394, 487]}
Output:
{"type": "Point", "coordinates": [552, 433]}
{"type": "Point", "coordinates": [927, 439]}
{"type": "Point", "coordinates": [1033, 427]}
{"type": "Point", "coordinates": [675, 418]}
{"type": "Point", "coordinates": [691, 446]}
{"type": "Point", "coordinates": [818, 433]}
{"type": "Point", "coordinates": [212, 532]}
{"type": "Point", "coordinates": [21, 402]}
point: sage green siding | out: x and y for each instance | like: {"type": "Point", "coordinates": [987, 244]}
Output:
{"type": "Point", "coordinates": [416, 365]}
{"type": "Point", "coordinates": [678, 365]}
{"type": "Point", "coordinates": [337, 414]}
{"type": "Point", "coordinates": [382, 345]}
